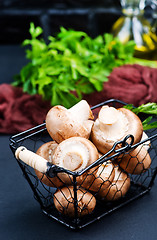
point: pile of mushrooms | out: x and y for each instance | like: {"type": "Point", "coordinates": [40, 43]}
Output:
{"type": "Point", "coordinates": [78, 140]}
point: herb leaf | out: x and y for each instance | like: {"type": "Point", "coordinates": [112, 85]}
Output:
{"type": "Point", "coordinates": [147, 124]}
{"type": "Point", "coordinates": [71, 64]}
{"type": "Point", "coordinates": [148, 108]}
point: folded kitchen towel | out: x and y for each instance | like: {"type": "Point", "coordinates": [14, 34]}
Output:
{"type": "Point", "coordinates": [19, 111]}
{"type": "Point", "coordinates": [133, 84]}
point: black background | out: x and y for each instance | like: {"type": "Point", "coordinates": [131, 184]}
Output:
{"type": "Point", "coordinates": [93, 17]}
{"type": "Point", "coordinates": [20, 214]}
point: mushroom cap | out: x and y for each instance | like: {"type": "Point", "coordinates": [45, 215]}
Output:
{"type": "Point", "coordinates": [75, 154]}
{"type": "Point", "coordinates": [103, 177]}
{"type": "Point", "coordinates": [118, 188]}
{"type": "Point", "coordinates": [62, 123]}
{"type": "Point", "coordinates": [135, 124]}
{"type": "Point", "coordinates": [113, 125]}
{"type": "Point", "coordinates": [46, 151]}
{"type": "Point", "coordinates": [64, 201]}
{"type": "Point", "coordinates": [135, 161]}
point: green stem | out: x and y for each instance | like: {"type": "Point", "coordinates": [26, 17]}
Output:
{"type": "Point", "coordinates": [144, 62]}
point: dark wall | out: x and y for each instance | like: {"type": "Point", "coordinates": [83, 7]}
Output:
{"type": "Point", "coordinates": [92, 16]}
{"type": "Point", "coordinates": [50, 3]}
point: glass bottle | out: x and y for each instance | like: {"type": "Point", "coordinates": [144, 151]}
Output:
{"type": "Point", "coordinates": [132, 25]}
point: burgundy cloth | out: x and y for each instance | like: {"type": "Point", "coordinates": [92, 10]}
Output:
{"type": "Point", "coordinates": [130, 83]}
{"type": "Point", "coordinates": [133, 84]}
{"type": "Point", "coordinates": [19, 111]}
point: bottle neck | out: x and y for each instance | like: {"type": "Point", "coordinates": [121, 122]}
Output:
{"type": "Point", "coordinates": [132, 12]}
{"type": "Point", "coordinates": [133, 7]}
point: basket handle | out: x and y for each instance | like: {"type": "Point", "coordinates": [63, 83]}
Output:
{"type": "Point", "coordinates": [32, 159]}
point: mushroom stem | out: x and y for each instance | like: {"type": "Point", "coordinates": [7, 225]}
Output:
{"type": "Point", "coordinates": [62, 123]}
{"type": "Point", "coordinates": [113, 123]}
{"type": "Point", "coordinates": [73, 161]}
{"type": "Point", "coordinates": [147, 143]}
{"type": "Point", "coordinates": [81, 111]}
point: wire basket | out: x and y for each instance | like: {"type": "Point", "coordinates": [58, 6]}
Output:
{"type": "Point", "coordinates": [73, 204]}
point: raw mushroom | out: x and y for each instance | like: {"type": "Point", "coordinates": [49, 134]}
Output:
{"type": "Point", "coordinates": [147, 143]}
{"type": "Point", "coordinates": [136, 161]}
{"type": "Point", "coordinates": [62, 123]}
{"type": "Point", "coordinates": [46, 151]}
{"type": "Point", "coordinates": [103, 177]}
{"type": "Point", "coordinates": [88, 125]}
{"type": "Point", "coordinates": [64, 201]}
{"type": "Point", "coordinates": [113, 125]}
{"type": "Point", "coordinates": [75, 154]}
{"type": "Point", "coordinates": [118, 188]}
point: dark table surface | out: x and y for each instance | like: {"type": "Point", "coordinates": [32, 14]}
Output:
{"type": "Point", "coordinates": [20, 214]}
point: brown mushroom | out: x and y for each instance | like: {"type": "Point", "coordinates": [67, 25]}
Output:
{"type": "Point", "coordinates": [62, 123]}
{"type": "Point", "coordinates": [113, 125]}
{"type": "Point", "coordinates": [147, 144]}
{"type": "Point", "coordinates": [118, 188]}
{"type": "Point", "coordinates": [135, 161]}
{"type": "Point", "coordinates": [46, 151]}
{"type": "Point", "coordinates": [64, 201]}
{"type": "Point", "coordinates": [103, 177]}
{"type": "Point", "coordinates": [75, 154]}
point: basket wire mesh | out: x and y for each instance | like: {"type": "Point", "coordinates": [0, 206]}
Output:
{"type": "Point", "coordinates": [75, 213]}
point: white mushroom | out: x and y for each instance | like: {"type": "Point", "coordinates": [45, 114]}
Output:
{"type": "Point", "coordinates": [62, 123]}
{"type": "Point", "coordinates": [113, 125]}
{"type": "Point", "coordinates": [46, 151]}
{"type": "Point", "coordinates": [75, 154]}
{"type": "Point", "coordinates": [147, 143]}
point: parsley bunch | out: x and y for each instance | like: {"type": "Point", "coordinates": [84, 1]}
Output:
{"type": "Point", "coordinates": [70, 65]}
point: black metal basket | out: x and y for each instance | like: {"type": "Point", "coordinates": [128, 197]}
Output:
{"type": "Point", "coordinates": [45, 195]}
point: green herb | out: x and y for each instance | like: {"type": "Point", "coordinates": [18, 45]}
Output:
{"type": "Point", "coordinates": [70, 65]}
{"type": "Point", "coordinates": [144, 62]}
{"type": "Point", "coordinates": [148, 108]}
